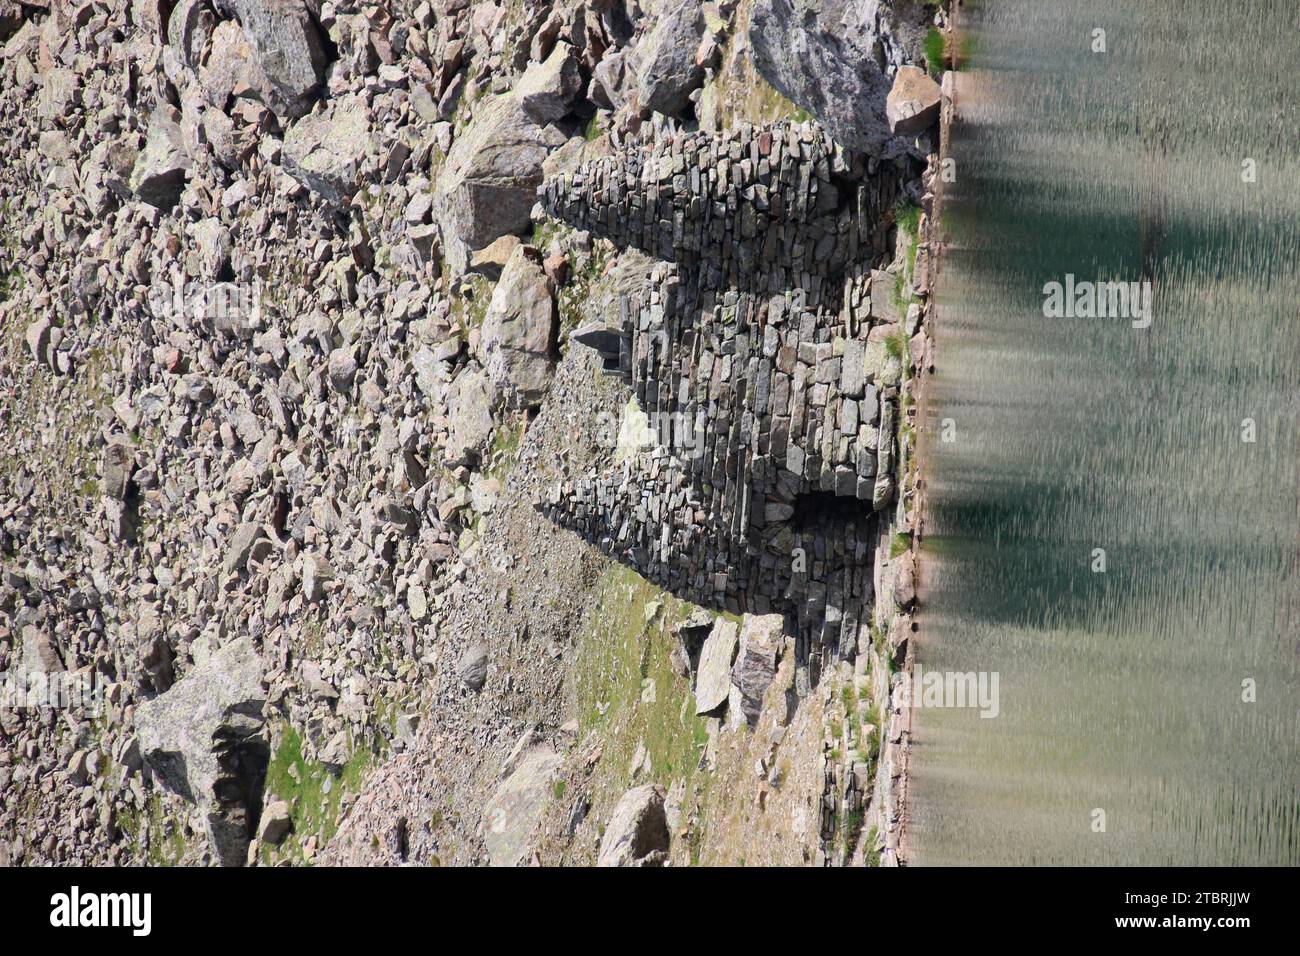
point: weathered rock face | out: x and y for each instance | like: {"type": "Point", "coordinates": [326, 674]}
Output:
{"type": "Point", "coordinates": [518, 335]}
{"type": "Point", "coordinates": [489, 183]}
{"type": "Point", "coordinates": [637, 832]}
{"type": "Point", "coordinates": [822, 55]}
{"type": "Point", "coordinates": [761, 639]}
{"type": "Point", "coordinates": [290, 52]}
{"type": "Point", "coordinates": [668, 73]}
{"type": "Point", "coordinates": [514, 810]}
{"type": "Point", "coordinates": [160, 171]}
{"type": "Point", "coordinates": [324, 151]}
{"type": "Point", "coordinates": [913, 103]}
{"type": "Point", "coordinates": [204, 740]}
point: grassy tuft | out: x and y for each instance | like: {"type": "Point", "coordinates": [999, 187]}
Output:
{"type": "Point", "coordinates": [936, 51]}
{"type": "Point", "coordinates": [899, 544]}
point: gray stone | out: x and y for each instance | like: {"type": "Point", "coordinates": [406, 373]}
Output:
{"type": "Point", "coordinates": [612, 81]}
{"type": "Point", "coordinates": [275, 824]}
{"type": "Point", "coordinates": [637, 832]}
{"type": "Point", "coordinates": [519, 330]}
{"type": "Point", "coordinates": [39, 655]}
{"type": "Point", "coordinates": [512, 815]}
{"type": "Point", "coordinates": [469, 416]}
{"type": "Point", "coordinates": [288, 48]}
{"type": "Point", "coordinates": [547, 90]}
{"type": "Point", "coordinates": [204, 740]}
{"type": "Point", "coordinates": [761, 640]}
{"type": "Point", "coordinates": [913, 102]}
{"type": "Point", "coordinates": [229, 63]}
{"type": "Point", "coordinates": [325, 151]}
{"type": "Point", "coordinates": [668, 73]}
{"type": "Point", "coordinates": [189, 28]}
{"type": "Point", "coordinates": [821, 55]}
{"type": "Point", "coordinates": [60, 92]}
{"type": "Point", "coordinates": [116, 469]}
{"type": "Point", "coordinates": [160, 170]}
{"type": "Point", "coordinates": [713, 681]}
{"type": "Point", "coordinates": [342, 369]}
{"type": "Point", "coordinates": [38, 336]}
{"type": "Point", "coordinates": [240, 546]}
{"type": "Point", "coordinates": [489, 182]}
{"type": "Point", "coordinates": [472, 668]}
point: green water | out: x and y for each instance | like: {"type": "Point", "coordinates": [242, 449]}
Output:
{"type": "Point", "coordinates": [1121, 690]}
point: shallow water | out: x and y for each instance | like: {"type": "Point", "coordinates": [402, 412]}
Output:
{"type": "Point", "coordinates": [1119, 690]}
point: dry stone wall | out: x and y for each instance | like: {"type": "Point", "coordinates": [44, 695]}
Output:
{"type": "Point", "coordinates": [758, 354]}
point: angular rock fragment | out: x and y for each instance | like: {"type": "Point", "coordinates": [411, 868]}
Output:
{"type": "Point", "coordinates": [472, 667]}
{"type": "Point", "coordinates": [713, 680]}
{"type": "Point", "coordinates": [668, 73]}
{"type": "Point", "coordinates": [637, 832]}
{"type": "Point", "coordinates": [512, 815]}
{"type": "Point", "coordinates": [821, 55]}
{"type": "Point", "coordinates": [489, 182]}
{"type": "Point", "coordinates": [913, 103]}
{"type": "Point", "coordinates": [761, 640]}
{"type": "Point", "coordinates": [519, 329]}
{"type": "Point", "coordinates": [325, 151]}
{"type": "Point", "coordinates": [289, 49]}
{"type": "Point", "coordinates": [160, 170]}
{"type": "Point", "coordinates": [469, 416]}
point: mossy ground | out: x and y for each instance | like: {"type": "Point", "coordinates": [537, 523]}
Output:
{"type": "Point", "coordinates": [315, 796]}
{"type": "Point", "coordinates": [625, 690]}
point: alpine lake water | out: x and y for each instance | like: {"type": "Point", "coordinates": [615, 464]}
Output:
{"type": "Point", "coordinates": [1113, 512]}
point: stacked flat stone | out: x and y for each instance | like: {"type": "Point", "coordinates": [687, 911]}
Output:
{"type": "Point", "coordinates": [754, 340]}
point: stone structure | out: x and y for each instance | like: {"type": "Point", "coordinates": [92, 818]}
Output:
{"type": "Point", "coordinates": [759, 354]}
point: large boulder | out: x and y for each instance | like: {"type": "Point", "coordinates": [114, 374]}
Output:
{"type": "Point", "coordinates": [822, 55]}
{"type": "Point", "coordinates": [519, 329]}
{"type": "Point", "coordinates": [204, 739]}
{"type": "Point", "coordinates": [511, 816]}
{"type": "Point", "coordinates": [229, 63]}
{"type": "Point", "coordinates": [160, 170]}
{"type": "Point", "coordinates": [637, 832]}
{"type": "Point", "coordinates": [713, 681]}
{"type": "Point", "coordinates": [324, 151]}
{"type": "Point", "coordinates": [548, 89]}
{"type": "Point", "coordinates": [189, 28]}
{"type": "Point", "coordinates": [488, 185]}
{"type": "Point", "coordinates": [289, 51]}
{"type": "Point", "coordinates": [668, 73]}
{"type": "Point", "coordinates": [913, 102]}
{"type": "Point", "coordinates": [469, 416]}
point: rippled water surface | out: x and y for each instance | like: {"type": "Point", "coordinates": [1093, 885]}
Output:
{"type": "Point", "coordinates": [1120, 691]}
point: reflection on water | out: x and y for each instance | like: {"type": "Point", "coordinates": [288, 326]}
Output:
{"type": "Point", "coordinates": [1120, 690]}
